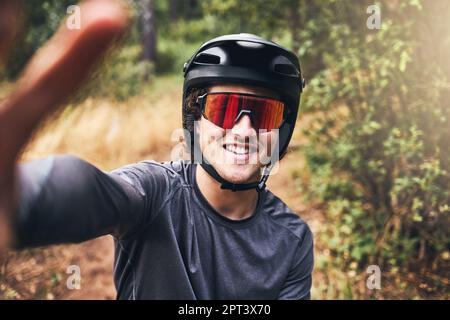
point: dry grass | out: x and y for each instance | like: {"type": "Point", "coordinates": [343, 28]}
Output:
{"type": "Point", "coordinates": [110, 134]}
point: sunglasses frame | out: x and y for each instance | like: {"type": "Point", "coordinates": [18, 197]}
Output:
{"type": "Point", "coordinates": [202, 101]}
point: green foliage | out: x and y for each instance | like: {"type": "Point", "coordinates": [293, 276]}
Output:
{"type": "Point", "coordinates": [259, 17]}
{"type": "Point", "coordinates": [121, 75]}
{"type": "Point", "coordinates": [41, 18]}
{"type": "Point", "coordinates": [172, 54]}
{"type": "Point", "coordinates": [378, 142]}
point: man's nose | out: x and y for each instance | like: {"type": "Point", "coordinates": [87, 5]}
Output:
{"type": "Point", "coordinates": [243, 127]}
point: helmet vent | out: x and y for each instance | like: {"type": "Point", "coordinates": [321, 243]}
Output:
{"type": "Point", "coordinates": [286, 69]}
{"type": "Point", "coordinates": [205, 58]}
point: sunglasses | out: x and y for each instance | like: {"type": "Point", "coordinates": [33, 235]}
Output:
{"type": "Point", "coordinates": [224, 109]}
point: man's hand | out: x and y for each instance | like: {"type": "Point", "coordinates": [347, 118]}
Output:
{"type": "Point", "coordinates": [51, 77]}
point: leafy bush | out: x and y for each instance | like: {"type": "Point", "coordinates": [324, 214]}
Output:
{"type": "Point", "coordinates": [172, 54]}
{"type": "Point", "coordinates": [378, 146]}
{"type": "Point", "coordinates": [40, 20]}
{"type": "Point", "coordinates": [121, 75]}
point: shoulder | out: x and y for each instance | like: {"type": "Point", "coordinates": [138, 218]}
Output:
{"type": "Point", "coordinates": [153, 172]}
{"type": "Point", "coordinates": [280, 215]}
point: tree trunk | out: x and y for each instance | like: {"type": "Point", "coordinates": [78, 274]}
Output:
{"type": "Point", "coordinates": [173, 10]}
{"type": "Point", "coordinates": [295, 26]}
{"type": "Point", "coordinates": [191, 6]}
{"type": "Point", "coordinates": [148, 31]}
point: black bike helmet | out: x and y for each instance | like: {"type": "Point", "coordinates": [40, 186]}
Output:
{"type": "Point", "coordinates": [245, 59]}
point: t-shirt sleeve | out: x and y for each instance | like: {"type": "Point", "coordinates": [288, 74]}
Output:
{"type": "Point", "coordinates": [64, 199]}
{"type": "Point", "coordinates": [299, 280]}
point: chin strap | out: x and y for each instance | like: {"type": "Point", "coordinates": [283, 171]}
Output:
{"type": "Point", "coordinates": [224, 184]}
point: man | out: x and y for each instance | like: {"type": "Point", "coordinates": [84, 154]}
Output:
{"type": "Point", "coordinates": [200, 229]}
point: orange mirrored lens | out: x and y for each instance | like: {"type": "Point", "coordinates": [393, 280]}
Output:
{"type": "Point", "coordinates": [223, 109]}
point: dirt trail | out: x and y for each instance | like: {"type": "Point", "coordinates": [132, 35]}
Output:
{"type": "Point", "coordinates": [283, 185]}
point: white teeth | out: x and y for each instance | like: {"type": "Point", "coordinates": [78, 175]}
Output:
{"type": "Point", "coordinates": [236, 149]}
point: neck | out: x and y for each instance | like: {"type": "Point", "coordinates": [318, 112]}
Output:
{"type": "Point", "coordinates": [232, 205]}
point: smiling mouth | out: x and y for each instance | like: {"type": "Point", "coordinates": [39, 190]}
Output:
{"type": "Point", "coordinates": [240, 149]}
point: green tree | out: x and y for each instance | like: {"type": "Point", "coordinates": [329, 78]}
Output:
{"type": "Point", "coordinates": [378, 143]}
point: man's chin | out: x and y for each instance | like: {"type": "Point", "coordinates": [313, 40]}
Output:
{"type": "Point", "coordinates": [239, 174]}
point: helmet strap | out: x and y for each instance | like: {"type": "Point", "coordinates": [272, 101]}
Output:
{"type": "Point", "coordinates": [226, 185]}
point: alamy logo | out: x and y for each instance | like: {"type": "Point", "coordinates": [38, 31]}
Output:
{"type": "Point", "coordinates": [74, 280]}
{"type": "Point", "coordinates": [74, 19]}
{"type": "Point", "coordinates": [374, 20]}
{"type": "Point", "coordinates": [263, 148]}
{"type": "Point", "coordinates": [374, 280]}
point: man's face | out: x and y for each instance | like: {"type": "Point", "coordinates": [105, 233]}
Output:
{"type": "Point", "coordinates": [239, 153]}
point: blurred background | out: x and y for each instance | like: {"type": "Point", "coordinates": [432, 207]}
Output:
{"type": "Point", "coordinates": [369, 164]}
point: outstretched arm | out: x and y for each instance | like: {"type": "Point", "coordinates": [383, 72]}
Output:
{"type": "Point", "coordinates": [53, 74]}
{"type": "Point", "coordinates": [64, 199]}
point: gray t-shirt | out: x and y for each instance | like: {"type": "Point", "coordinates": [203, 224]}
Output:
{"type": "Point", "coordinates": [169, 242]}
